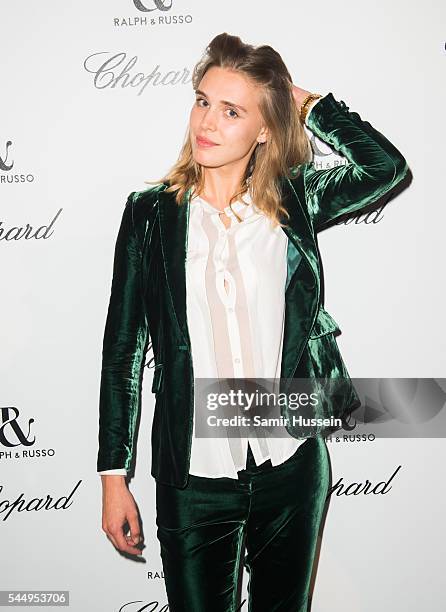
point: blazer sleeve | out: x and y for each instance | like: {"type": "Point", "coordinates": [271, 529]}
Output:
{"type": "Point", "coordinates": [374, 165]}
{"type": "Point", "coordinates": [123, 350]}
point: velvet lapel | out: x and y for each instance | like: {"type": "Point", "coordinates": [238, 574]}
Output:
{"type": "Point", "coordinates": [174, 220]}
{"type": "Point", "coordinates": [298, 230]}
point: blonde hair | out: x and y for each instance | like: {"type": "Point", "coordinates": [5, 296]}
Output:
{"type": "Point", "coordinates": [288, 145]}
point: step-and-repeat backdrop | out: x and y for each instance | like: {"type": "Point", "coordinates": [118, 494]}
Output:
{"type": "Point", "coordinates": [95, 99]}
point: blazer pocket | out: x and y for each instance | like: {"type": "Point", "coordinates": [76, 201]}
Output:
{"type": "Point", "coordinates": [158, 379]}
{"type": "Point", "coordinates": [324, 324]}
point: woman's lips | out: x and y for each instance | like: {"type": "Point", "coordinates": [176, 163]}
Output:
{"type": "Point", "coordinates": [203, 142]}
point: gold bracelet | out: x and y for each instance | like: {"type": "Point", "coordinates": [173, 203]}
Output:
{"type": "Point", "coordinates": [304, 108]}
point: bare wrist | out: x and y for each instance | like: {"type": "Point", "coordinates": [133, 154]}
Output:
{"type": "Point", "coordinates": [113, 479]}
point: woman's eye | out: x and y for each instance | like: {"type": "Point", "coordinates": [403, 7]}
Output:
{"type": "Point", "coordinates": [231, 110]}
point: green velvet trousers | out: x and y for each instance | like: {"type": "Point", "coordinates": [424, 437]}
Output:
{"type": "Point", "coordinates": [274, 512]}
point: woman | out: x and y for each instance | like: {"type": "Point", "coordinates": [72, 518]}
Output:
{"type": "Point", "coordinates": [218, 266]}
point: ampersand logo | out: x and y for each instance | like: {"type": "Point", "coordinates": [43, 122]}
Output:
{"type": "Point", "coordinates": [11, 433]}
{"type": "Point", "coordinates": [6, 165]}
{"type": "Point", "coordinates": [4, 162]}
{"type": "Point", "coordinates": [160, 5]}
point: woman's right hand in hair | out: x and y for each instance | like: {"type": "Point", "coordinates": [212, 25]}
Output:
{"type": "Point", "coordinates": [118, 508]}
{"type": "Point", "coordinates": [299, 95]}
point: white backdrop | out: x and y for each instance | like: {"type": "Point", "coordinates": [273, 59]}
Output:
{"type": "Point", "coordinates": [73, 144]}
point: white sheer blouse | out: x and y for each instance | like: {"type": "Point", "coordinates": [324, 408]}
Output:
{"type": "Point", "coordinates": [235, 288]}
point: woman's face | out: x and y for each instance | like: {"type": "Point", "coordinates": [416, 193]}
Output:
{"type": "Point", "coordinates": [226, 113]}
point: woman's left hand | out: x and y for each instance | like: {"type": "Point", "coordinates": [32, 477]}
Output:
{"type": "Point", "coordinates": [299, 95]}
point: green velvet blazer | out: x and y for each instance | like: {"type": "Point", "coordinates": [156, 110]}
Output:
{"type": "Point", "coordinates": [148, 295]}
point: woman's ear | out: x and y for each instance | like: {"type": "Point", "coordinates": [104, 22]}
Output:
{"type": "Point", "coordinates": [263, 135]}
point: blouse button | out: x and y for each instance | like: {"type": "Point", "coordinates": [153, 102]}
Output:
{"type": "Point", "coordinates": [237, 360]}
